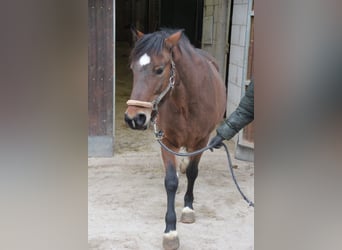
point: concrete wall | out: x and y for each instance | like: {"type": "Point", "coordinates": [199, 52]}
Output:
{"type": "Point", "coordinates": [238, 54]}
{"type": "Point", "coordinates": [238, 70]}
{"type": "Point", "coordinates": [215, 30]}
{"type": "Point", "coordinates": [215, 41]}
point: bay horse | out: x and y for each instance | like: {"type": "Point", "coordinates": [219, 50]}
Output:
{"type": "Point", "coordinates": [179, 88]}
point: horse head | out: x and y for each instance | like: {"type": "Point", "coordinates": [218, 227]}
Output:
{"type": "Point", "coordinates": [153, 75]}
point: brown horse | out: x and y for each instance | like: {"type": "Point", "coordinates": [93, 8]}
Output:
{"type": "Point", "coordinates": [180, 89]}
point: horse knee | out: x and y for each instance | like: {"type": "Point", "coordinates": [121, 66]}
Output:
{"type": "Point", "coordinates": [171, 183]}
{"type": "Point", "coordinates": [171, 179]}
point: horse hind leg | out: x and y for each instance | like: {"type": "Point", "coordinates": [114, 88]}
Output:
{"type": "Point", "coordinates": [188, 213]}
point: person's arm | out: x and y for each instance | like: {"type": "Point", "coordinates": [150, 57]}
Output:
{"type": "Point", "coordinates": [242, 116]}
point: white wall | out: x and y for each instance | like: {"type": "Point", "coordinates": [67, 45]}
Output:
{"type": "Point", "coordinates": [215, 41]}
{"type": "Point", "coordinates": [238, 51]}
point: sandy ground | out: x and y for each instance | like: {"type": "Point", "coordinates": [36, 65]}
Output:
{"type": "Point", "coordinates": [127, 199]}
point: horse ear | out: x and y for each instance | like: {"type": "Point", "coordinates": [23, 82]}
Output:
{"type": "Point", "coordinates": [173, 39]}
{"type": "Point", "coordinates": [136, 33]}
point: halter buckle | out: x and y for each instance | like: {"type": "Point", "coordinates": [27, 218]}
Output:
{"type": "Point", "coordinates": [157, 132]}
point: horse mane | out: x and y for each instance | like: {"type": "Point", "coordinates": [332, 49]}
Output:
{"type": "Point", "coordinates": [153, 43]}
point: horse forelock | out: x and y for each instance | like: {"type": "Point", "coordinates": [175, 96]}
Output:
{"type": "Point", "coordinates": [153, 43]}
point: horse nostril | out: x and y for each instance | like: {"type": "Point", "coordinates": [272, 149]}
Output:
{"type": "Point", "coordinates": [138, 122]}
{"type": "Point", "coordinates": [128, 120]}
{"type": "Point", "coordinates": [140, 119]}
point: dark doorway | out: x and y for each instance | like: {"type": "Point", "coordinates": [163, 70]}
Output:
{"type": "Point", "coordinates": [149, 15]}
{"type": "Point", "coordinates": [184, 14]}
{"type": "Point", "coordinates": [143, 14]}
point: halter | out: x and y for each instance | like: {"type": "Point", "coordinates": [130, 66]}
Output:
{"type": "Point", "coordinates": [154, 104]}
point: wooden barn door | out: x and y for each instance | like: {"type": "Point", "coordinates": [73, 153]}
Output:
{"type": "Point", "coordinates": [100, 78]}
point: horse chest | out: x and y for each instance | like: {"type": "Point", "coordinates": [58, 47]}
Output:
{"type": "Point", "coordinates": [179, 122]}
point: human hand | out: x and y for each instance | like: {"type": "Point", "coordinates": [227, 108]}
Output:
{"type": "Point", "coordinates": [216, 142]}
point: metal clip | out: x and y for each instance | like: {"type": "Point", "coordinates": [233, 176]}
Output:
{"type": "Point", "coordinates": [172, 81]}
{"type": "Point", "coordinates": [172, 74]}
{"type": "Point", "coordinates": [158, 133]}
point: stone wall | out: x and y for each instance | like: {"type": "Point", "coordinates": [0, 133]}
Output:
{"type": "Point", "coordinates": [215, 41]}
{"type": "Point", "coordinates": [215, 30]}
{"type": "Point", "coordinates": [238, 51]}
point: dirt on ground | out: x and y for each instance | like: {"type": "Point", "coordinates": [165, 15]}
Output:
{"type": "Point", "coordinates": [127, 198]}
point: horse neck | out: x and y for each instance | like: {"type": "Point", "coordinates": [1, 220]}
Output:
{"type": "Point", "coordinates": [186, 71]}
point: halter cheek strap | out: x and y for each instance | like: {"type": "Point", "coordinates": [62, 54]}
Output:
{"type": "Point", "coordinates": [154, 104]}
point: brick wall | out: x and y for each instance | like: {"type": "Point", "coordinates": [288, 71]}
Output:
{"type": "Point", "coordinates": [215, 41]}
{"type": "Point", "coordinates": [238, 52]}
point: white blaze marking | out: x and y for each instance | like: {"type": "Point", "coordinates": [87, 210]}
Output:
{"type": "Point", "coordinates": [144, 60]}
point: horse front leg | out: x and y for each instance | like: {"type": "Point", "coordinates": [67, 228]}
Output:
{"type": "Point", "coordinates": [170, 239]}
{"type": "Point", "coordinates": [188, 214]}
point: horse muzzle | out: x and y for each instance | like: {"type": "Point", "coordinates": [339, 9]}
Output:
{"type": "Point", "coordinates": [138, 114]}
{"type": "Point", "coordinates": [139, 121]}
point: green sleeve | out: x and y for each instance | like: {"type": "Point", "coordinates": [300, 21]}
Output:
{"type": "Point", "coordinates": [242, 116]}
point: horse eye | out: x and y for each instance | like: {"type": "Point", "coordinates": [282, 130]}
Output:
{"type": "Point", "coordinates": [159, 70]}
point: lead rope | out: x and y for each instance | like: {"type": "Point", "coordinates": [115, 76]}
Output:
{"type": "Point", "coordinates": [159, 136]}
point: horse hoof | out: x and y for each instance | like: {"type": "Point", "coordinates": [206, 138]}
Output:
{"type": "Point", "coordinates": [188, 215]}
{"type": "Point", "coordinates": [171, 240]}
